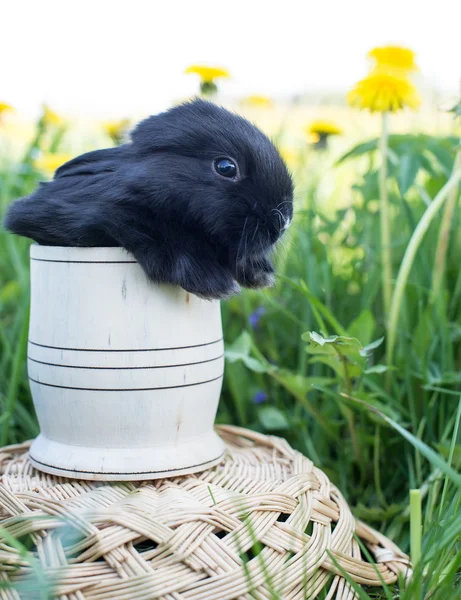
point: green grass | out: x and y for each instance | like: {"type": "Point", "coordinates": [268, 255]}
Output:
{"type": "Point", "coordinates": [376, 429]}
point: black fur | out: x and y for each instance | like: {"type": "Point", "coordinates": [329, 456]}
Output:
{"type": "Point", "coordinates": [160, 198]}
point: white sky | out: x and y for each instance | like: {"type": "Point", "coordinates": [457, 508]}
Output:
{"type": "Point", "coordinates": [115, 58]}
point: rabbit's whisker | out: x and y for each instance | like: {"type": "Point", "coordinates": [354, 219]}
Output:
{"type": "Point", "coordinates": [240, 246]}
{"type": "Point", "coordinates": [245, 255]}
{"type": "Point", "coordinates": [255, 231]}
{"type": "Point", "coordinates": [284, 202]}
{"type": "Point", "coordinates": [282, 221]}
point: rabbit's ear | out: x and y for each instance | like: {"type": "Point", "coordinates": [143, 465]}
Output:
{"type": "Point", "coordinates": [91, 163]}
{"type": "Point", "coordinates": [184, 125]}
{"type": "Point", "coordinates": [154, 133]}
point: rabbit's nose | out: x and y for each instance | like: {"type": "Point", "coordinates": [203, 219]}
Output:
{"type": "Point", "coordinates": [286, 224]}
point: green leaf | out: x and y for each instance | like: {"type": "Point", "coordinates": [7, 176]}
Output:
{"type": "Point", "coordinates": [378, 369]}
{"type": "Point", "coordinates": [393, 158]}
{"type": "Point", "coordinates": [330, 361]}
{"type": "Point", "coordinates": [240, 350]}
{"type": "Point", "coordinates": [407, 171]}
{"type": "Point", "coordinates": [445, 451]}
{"type": "Point", "coordinates": [241, 347]}
{"type": "Point", "coordinates": [427, 452]}
{"type": "Point", "coordinates": [367, 350]}
{"type": "Point", "coordinates": [445, 378]}
{"type": "Point", "coordinates": [272, 419]}
{"type": "Point", "coordinates": [369, 404]}
{"type": "Point", "coordinates": [256, 365]}
{"type": "Point", "coordinates": [369, 188]}
{"type": "Point", "coordinates": [443, 153]}
{"type": "Point", "coordinates": [428, 164]}
{"type": "Point", "coordinates": [334, 362]}
{"type": "Point", "coordinates": [319, 339]}
{"type": "Point", "coordinates": [297, 384]}
{"type": "Point", "coordinates": [333, 344]}
{"type": "Point", "coordinates": [363, 327]}
{"type": "Point", "coordinates": [359, 150]}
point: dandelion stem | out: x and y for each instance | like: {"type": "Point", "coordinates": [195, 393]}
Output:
{"type": "Point", "coordinates": [386, 259]}
{"type": "Point", "coordinates": [444, 235]}
{"type": "Point", "coordinates": [409, 258]}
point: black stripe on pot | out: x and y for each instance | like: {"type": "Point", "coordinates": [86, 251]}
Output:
{"type": "Point", "coordinates": [125, 349]}
{"type": "Point", "coordinates": [199, 362]}
{"type": "Point", "coordinates": [207, 462]}
{"type": "Point", "coordinates": [89, 262]}
{"type": "Point", "coordinates": [168, 387]}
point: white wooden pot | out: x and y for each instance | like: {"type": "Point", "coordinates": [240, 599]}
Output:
{"type": "Point", "coordinates": [125, 374]}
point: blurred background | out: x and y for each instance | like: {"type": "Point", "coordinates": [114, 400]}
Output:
{"type": "Point", "coordinates": [355, 355]}
{"type": "Point", "coordinates": [108, 59]}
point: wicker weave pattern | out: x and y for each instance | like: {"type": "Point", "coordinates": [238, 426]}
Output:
{"type": "Point", "coordinates": [264, 524]}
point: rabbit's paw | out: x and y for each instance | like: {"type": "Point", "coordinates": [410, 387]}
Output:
{"type": "Point", "coordinates": [206, 279]}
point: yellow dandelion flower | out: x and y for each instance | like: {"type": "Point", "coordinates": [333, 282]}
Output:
{"type": "Point", "coordinates": [207, 74]}
{"type": "Point", "coordinates": [258, 101]}
{"type": "Point", "coordinates": [50, 117]}
{"type": "Point", "coordinates": [394, 57]}
{"type": "Point", "coordinates": [384, 92]}
{"type": "Point", "coordinates": [323, 128]}
{"type": "Point", "coordinates": [116, 130]}
{"type": "Point", "coordinates": [4, 107]}
{"type": "Point", "coordinates": [48, 163]}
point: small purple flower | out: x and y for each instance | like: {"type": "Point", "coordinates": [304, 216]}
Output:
{"type": "Point", "coordinates": [255, 317]}
{"type": "Point", "coordinates": [260, 397]}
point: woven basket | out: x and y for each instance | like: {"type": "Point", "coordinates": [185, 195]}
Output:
{"type": "Point", "coordinates": [263, 524]}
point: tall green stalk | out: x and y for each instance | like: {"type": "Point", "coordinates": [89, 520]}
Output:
{"type": "Point", "coordinates": [409, 258]}
{"type": "Point", "coordinates": [444, 235]}
{"type": "Point", "coordinates": [386, 259]}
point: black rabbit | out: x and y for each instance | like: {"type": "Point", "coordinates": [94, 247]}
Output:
{"type": "Point", "coordinates": [199, 197]}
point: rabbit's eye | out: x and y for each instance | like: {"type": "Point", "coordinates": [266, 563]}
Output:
{"type": "Point", "coordinates": [225, 167]}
